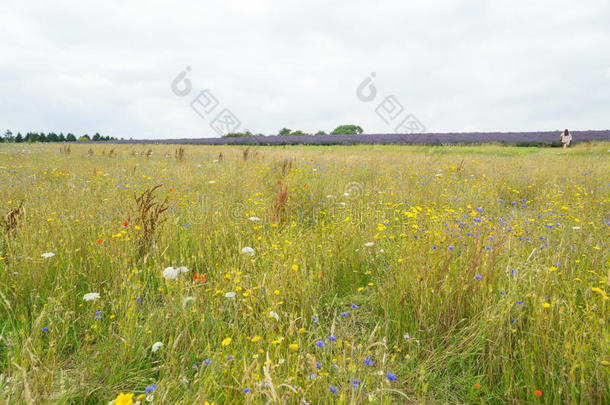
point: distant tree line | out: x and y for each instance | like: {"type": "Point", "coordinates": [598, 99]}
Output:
{"type": "Point", "coordinates": [50, 137]}
{"type": "Point", "coordinates": [340, 130]}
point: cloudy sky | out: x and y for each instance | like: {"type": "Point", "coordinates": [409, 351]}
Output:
{"type": "Point", "coordinates": [463, 65]}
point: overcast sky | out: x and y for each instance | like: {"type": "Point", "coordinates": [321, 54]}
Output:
{"type": "Point", "coordinates": [464, 65]}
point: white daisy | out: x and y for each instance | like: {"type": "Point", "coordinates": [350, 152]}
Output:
{"type": "Point", "coordinates": [47, 255]}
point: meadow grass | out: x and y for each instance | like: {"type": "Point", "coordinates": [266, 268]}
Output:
{"type": "Point", "coordinates": [382, 274]}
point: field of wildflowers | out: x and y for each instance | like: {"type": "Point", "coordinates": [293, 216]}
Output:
{"type": "Point", "coordinates": [382, 274]}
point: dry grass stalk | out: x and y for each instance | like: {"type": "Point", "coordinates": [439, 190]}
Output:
{"type": "Point", "coordinates": [286, 166]}
{"type": "Point", "coordinates": [149, 212]}
{"type": "Point", "coordinates": [65, 150]}
{"type": "Point", "coordinates": [10, 221]}
{"type": "Point", "coordinates": [179, 154]}
{"type": "Point", "coordinates": [280, 205]}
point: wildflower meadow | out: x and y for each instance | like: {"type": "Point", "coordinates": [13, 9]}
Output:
{"type": "Point", "coordinates": [191, 274]}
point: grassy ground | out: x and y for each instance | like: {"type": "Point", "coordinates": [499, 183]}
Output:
{"type": "Point", "coordinates": [379, 273]}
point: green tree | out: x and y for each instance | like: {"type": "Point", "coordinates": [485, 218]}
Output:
{"type": "Point", "coordinates": [70, 138]}
{"type": "Point", "coordinates": [320, 133]}
{"type": "Point", "coordinates": [298, 133]}
{"type": "Point", "coordinates": [8, 136]}
{"type": "Point", "coordinates": [347, 130]}
{"type": "Point", "coordinates": [19, 138]}
{"type": "Point", "coordinates": [84, 138]}
{"type": "Point", "coordinates": [284, 132]}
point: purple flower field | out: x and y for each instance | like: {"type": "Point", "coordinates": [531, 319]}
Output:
{"type": "Point", "coordinates": [512, 138]}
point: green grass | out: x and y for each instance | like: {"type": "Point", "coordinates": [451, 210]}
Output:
{"type": "Point", "coordinates": [494, 260]}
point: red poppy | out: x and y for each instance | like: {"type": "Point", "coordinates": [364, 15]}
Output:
{"type": "Point", "coordinates": [171, 189]}
{"type": "Point", "coordinates": [199, 277]}
{"type": "Point", "coordinates": [125, 223]}
{"type": "Point", "coordinates": [279, 182]}
{"type": "Point", "coordinates": [99, 241]}
{"type": "Point", "coordinates": [538, 393]}
{"type": "Point", "coordinates": [477, 386]}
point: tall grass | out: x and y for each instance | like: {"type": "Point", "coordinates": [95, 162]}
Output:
{"type": "Point", "coordinates": [471, 274]}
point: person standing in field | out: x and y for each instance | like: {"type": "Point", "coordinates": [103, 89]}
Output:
{"type": "Point", "coordinates": [565, 138]}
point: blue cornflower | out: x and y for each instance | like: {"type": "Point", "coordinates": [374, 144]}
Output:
{"type": "Point", "coordinates": [320, 343]}
{"type": "Point", "coordinates": [245, 390]}
{"type": "Point", "coordinates": [332, 389]}
{"type": "Point", "coordinates": [332, 338]}
{"type": "Point", "coordinates": [343, 314]}
{"type": "Point", "coordinates": [367, 361]}
{"type": "Point", "coordinates": [390, 376]}
{"type": "Point", "coordinates": [314, 319]}
{"type": "Point", "coordinates": [150, 388]}
{"type": "Point", "coordinates": [46, 328]}
{"type": "Point", "coordinates": [354, 306]}
{"type": "Point", "coordinates": [478, 277]}
{"type": "Point", "coordinates": [207, 362]}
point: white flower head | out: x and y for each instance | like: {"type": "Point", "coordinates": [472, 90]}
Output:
{"type": "Point", "coordinates": [156, 346]}
{"type": "Point", "coordinates": [171, 273]}
{"type": "Point", "coordinates": [274, 315]}
{"type": "Point", "coordinates": [248, 251]}
{"type": "Point", "coordinates": [91, 296]}
{"type": "Point", "coordinates": [211, 182]}
{"type": "Point", "coordinates": [230, 294]}
{"type": "Point", "coordinates": [47, 255]}
{"type": "Point", "coordinates": [369, 244]}
{"type": "Point", "coordinates": [254, 219]}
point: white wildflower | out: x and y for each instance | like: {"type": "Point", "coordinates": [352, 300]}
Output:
{"type": "Point", "coordinates": [248, 251]}
{"type": "Point", "coordinates": [171, 273]}
{"type": "Point", "coordinates": [156, 346]}
{"type": "Point", "coordinates": [47, 255]}
{"type": "Point", "coordinates": [91, 296]}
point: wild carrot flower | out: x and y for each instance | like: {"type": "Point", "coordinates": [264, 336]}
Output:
{"type": "Point", "coordinates": [248, 251]}
{"type": "Point", "coordinates": [156, 346]}
{"type": "Point", "coordinates": [91, 296]}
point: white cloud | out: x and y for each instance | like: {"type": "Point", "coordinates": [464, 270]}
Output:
{"type": "Point", "coordinates": [81, 67]}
